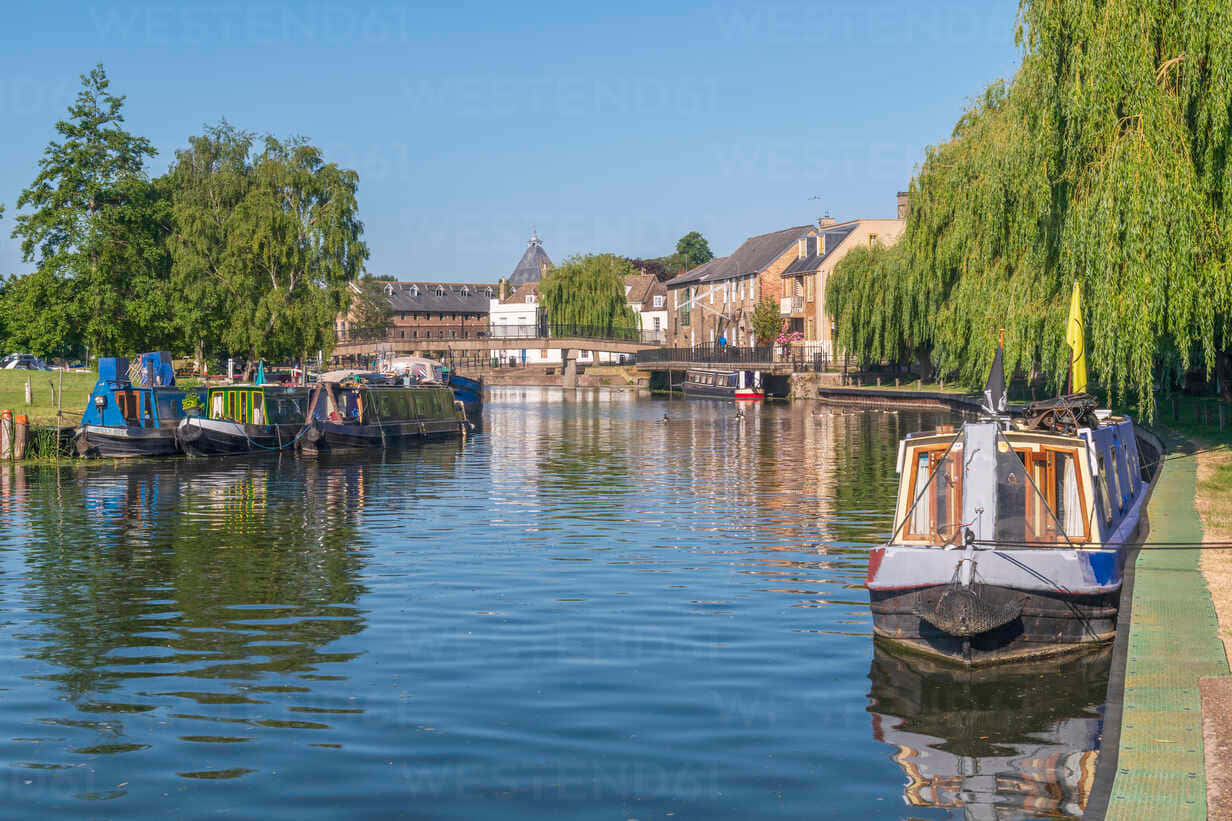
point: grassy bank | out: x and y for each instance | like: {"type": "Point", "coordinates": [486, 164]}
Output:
{"type": "Point", "coordinates": [43, 387]}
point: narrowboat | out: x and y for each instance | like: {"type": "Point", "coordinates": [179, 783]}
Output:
{"type": "Point", "coordinates": [466, 390]}
{"type": "Point", "coordinates": [237, 419]}
{"type": "Point", "coordinates": [358, 411]}
{"type": "Point", "coordinates": [723, 384]}
{"type": "Point", "coordinates": [1011, 533]}
{"type": "Point", "coordinates": [124, 420]}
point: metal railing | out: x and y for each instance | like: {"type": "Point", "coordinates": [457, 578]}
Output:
{"type": "Point", "coordinates": [551, 330]}
{"type": "Point", "coordinates": [709, 353]}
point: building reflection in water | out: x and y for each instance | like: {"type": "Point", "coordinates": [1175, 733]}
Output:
{"type": "Point", "coordinates": [1015, 741]}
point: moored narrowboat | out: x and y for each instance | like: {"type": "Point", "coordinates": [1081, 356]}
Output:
{"type": "Point", "coordinates": [236, 419]}
{"type": "Point", "coordinates": [125, 420]}
{"type": "Point", "coordinates": [723, 384]}
{"type": "Point", "coordinates": [359, 411]}
{"type": "Point", "coordinates": [1011, 533]}
{"type": "Point", "coordinates": [423, 370]}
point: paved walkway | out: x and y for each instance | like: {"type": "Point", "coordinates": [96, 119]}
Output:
{"type": "Point", "coordinates": [1173, 641]}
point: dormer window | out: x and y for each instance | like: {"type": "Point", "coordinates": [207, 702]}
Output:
{"type": "Point", "coordinates": [440, 290]}
{"type": "Point", "coordinates": [658, 301]}
{"type": "Point", "coordinates": [414, 290]}
{"type": "Point", "coordinates": [530, 299]}
{"type": "Point", "coordinates": [465, 291]}
{"type": "Point", "coordinates": [801, 247]}
{"type": "Point", "coordinates": [487, 292]}
{"type": "Point", "coordinates": [389, 290]}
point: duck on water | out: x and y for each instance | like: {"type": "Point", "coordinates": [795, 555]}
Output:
{"type": "Point", "coordinates": [1011, 533]}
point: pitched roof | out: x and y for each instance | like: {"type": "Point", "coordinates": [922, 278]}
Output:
{"type": "Point", "coordinates": [641, 288]}
{"type": "Point", "coordinates": [521, 292]}
{"type": "Point", "coordinates": [832, 237]}
{"type": "Point", "coordinates": [752, 257]}
{"type": "Point", "coordinates": [456, 297]}
{"type": "Point", "coordinates": [530, 267]}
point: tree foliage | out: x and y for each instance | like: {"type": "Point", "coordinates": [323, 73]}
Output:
{"type": "Point", "coordinates": [692, 250]}
{"type": "Point", "coordinates": [96, 228]}
{"type": "Point", "coordinates": [267, 239]}
{"type": "Point", "coordinates": [371, 312]}
{"type": "Point", "coordinates": [589, 290]}
{"type": "Point", "coordinates": [767, 321]}
{"type": "Point", "coordinates": [1108, 159]}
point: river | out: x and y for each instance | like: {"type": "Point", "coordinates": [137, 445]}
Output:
{"type": "Point", "coordinates": [601, 606]}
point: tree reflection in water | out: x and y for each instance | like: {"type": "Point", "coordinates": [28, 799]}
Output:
{"type": "Point", "coordinates": [1013, 741]}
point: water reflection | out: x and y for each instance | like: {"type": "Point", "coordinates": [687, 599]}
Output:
{"type": "Point", "coordinates": [583, 610]}
{"type": "Point", "coordinates": [1016, 741]}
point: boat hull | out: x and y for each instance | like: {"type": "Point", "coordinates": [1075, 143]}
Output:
{"type": "Point", "coordinates": [106, 442]}
{"type": "Point", "coordinates": [708, 391]}
{"type": "Point", "coordinates": [332, 437]}
{"type": "Point", "coordinates": [214, 437]}
{"type": "Point", "coordinates": [1047, 624]}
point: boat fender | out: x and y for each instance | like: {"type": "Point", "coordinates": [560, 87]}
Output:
{"type": "Point", "coordinates": [189, 432]}
{"type": "Point", "coordinates": [82, 445]}
{"type": "Point", "coordinates": [312, 434]}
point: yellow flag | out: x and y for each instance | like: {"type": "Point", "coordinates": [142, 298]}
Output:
{"type": "Point", "coordinates": [1074, 337]}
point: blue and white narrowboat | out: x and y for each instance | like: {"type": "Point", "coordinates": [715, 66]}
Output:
{"type": "Point", "coordinates": [1011, 533]}
{"type": "Point", "coordinates": [123, 419]}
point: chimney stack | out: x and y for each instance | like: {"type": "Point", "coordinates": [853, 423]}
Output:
{"type": "Point", "coordinates": [826, 221]}
{"type": "Point", "coordinates": [904, 204]}
{"type": "Point", "coordinates": [502, 289]}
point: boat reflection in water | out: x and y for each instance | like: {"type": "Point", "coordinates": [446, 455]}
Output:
{"type": "Point", "coordinates": [1018, 741]}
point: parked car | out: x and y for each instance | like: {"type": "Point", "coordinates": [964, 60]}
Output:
{"type": "Point", "coordinates": [23, 362]}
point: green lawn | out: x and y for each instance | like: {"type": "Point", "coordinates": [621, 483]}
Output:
{"type": "Point", "coordinates": [42, 410]}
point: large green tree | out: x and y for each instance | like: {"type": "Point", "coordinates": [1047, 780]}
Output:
{"type": "Point", "coordinates": [1107, 160]}
{"type": "Point", "coordinates": [588, 291]}
{"type": "Point", "coordinates": [96, 227]}
{"type": "Point", "coordinates": [692, 250]}
{"type": "Point", "coordinates": [267, 239]}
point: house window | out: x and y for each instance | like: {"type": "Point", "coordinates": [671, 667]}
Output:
{"type": "Point", "coordinates": [530, 300]}
{"type": "Point", "coordinates": [414, 334]}
{"type": "Point", "coordinates": [658, 301]}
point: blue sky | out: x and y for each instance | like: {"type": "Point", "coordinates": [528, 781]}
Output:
{"type": "Point", "coordinates": [616, 127]}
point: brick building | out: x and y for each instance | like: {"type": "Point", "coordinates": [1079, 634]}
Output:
{"type": "Point", "coordinates": [425, 316]}
{"type": "Point", "coordinates": [718, 298]}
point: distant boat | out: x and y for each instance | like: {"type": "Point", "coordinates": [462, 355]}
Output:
{"type": "Point", "coordinates": [351, 410]}
{"type": "Point", "coordinates": [723, 384]}
{"type": "Point", "coordinates": [125, 420]}
{"type": "Point", "coordinates": [238, 419]}
{"type": "Point", "coordinates": [466, 390]}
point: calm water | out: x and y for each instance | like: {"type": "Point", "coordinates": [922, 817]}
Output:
{"type": "Point", "coordinates": [584, 610]}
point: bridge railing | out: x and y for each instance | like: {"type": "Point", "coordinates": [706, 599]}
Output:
{"type": "Point", "coordinates": [566, 330]}
{"type": "Point", "coordinates": [705, 354]}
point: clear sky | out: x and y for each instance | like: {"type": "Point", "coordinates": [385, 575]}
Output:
{"type": "Point", "coordinates": [607, 127]}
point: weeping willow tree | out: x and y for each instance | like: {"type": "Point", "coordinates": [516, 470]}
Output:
{"type": "Point", "coordinates": [1107, 160]}
{"type": "Point", "coordinates": [588, 291]}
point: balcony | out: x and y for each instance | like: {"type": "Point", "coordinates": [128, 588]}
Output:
{"type": "Point", "coordinates": [791, 306]}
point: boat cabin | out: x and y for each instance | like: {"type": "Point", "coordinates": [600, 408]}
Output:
{"type": "Point", "coordinates": [381, 405]}
{"type": "Point", "coordinates": [257, 404]}
{"type": "Point", "coordinates": [1017, 486]}
{"type": "Point", "coordinates": [116, 402]}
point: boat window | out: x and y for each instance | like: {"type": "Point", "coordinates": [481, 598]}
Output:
{"type": "Point", "coordinates": [258, 408]}
{"type": "Point", "coordinates": [937, 514]}
{"type": "Point", "coordinates": [1114, 481]}
{"type": "Point", "coordinates": [1057, 511]}
{"type": "Point", "coordinates": [170, 408]}
{"type": "Point", "coordinates": [1104, 498]}
{"type": "Point", "coordinates": [241, 407]}
{"type": "Point", "coordinates": [217, 405]}
{"type": "Point", "coordinates": [126, 401]}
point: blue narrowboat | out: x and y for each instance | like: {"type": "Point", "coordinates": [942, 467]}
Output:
{"type": "Point", "coordinates": [123, 419]}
